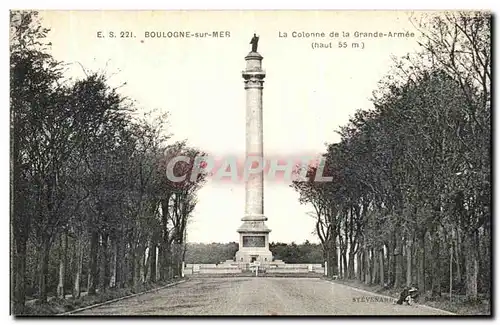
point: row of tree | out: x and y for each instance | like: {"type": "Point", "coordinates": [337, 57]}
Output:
{"type": "Point", "coordinates": [410, 199]}
{"type": "Point", "coordinates": [92, 206]}
{"type": "Point", "coordinates": [297, 253]}
{"type": "Point", "coordinates": [215, 253]}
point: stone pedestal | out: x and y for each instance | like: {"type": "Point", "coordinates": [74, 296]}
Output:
{"type": "Point", "coordinates": [254, 234]}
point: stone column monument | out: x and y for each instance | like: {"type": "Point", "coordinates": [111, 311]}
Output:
{"type": "Point", "coordinates": [254, 234]}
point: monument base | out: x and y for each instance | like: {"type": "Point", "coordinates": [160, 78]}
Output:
{"type": "Point", "coordinates": [254, 244]}
{"type": "Point", "coordinates": [245, 257]}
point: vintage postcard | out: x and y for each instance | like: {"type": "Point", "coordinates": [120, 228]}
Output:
{"type": "Point", "coordinates": [250, 163]}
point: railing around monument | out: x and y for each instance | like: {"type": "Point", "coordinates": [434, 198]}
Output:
{"type": "Point", "coordinates": [231, 267]}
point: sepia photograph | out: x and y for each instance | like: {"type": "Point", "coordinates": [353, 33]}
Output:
{"type": "Point", "coordinates": [250, 163]}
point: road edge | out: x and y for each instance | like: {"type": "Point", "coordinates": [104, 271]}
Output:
{"type": "Point", "coordinates": [384, 296]}
{"type": "Point", "coordinates": [121, 298]}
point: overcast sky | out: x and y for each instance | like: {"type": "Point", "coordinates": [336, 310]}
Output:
{"type": "Point", "coordinates": [308, 93]}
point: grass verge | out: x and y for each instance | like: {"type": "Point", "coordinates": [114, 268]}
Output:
{"type": "Point", "coordinates": [458, 304]}
{"type": "Point", "coordinates": [57, 306]}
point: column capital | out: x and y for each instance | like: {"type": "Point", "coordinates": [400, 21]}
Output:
{"type": "Point", "coordinates": [254, 79]}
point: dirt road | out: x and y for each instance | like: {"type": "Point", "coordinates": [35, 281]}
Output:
{"type": "Point", "coordinates": [258, 296]}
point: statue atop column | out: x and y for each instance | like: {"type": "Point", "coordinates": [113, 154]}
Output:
{"type": "Point", "coordinates": [254, 41]}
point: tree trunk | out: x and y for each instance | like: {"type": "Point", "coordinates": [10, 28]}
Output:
{"type": "Point", "coordinates": [44, 270]}
{"type": "Point", "coordinates": [178, 259]}
{"type": "Point", "coordinates": [113, 255]}
{"type": "Point", "coordinates": [78, 268]}
{"type": "Point", "coordinates": [137, 266]}
{"type": "Point", "coordinates": [13, 265]}
{"type": "Point", "coordinates": [359, 270]}
{"type": "Point", "coordinates": [350, 266]}
{"type": "Point", "coordinates": [436, 264]}
{"type": "Point", "coordinates": [471, 267]}
{"type": "Point", "coordinates": [20, 221]}
{"type": "Point", "coordinates": [457, 257]}
{"type": "Point", "coordinates": [366, 253]}
{"type": "Point", "coordinates": [106, 277]}
{"type": "Point", "coordinates": [120, 261]}
{"type": "Point", "coordinates": [93, 270]}
{"type": "Point", "coordinates": [141, 264]}
{"type": "Point", "coordinates": [341, 273]}
{"type": "Point", "coordinates": [398, 261]}
{"type": "Point", "coordinates": [328, 263]}
{"type": "Point", "coordinates": [335, 259]}
{"type": "Point", "coordinates": [89, 278]}
{"type": "Point", "coordinates": [381, 265]}
{"type": "Point", "coordinates": [165, 240]}
{"type": "Point", "coordinates": [35, 271]}
{"type": "Point", "coordinates": [70, 265]}
{"type": "Point", "coordinates": [342, 249]}
{"type": "Point", "coordinates": [344, 261]}
{"type": "Point", "coordinates": [20, 275]}
{"type": "Point", "coordinates": [152, 262]}
{"type": "Point", "coordinates": [374, 265]}
{"type": "Point", "coordinates": [451, 271]}
{"type": "Point", "coordinates": [390, 263]}
{"type": "Point", "coordinates": [131, 265]}
{"type": "Point", "coordinates": [168, 260]}
{"type": "Point", "coordinates": [421, 261]}
{"type": "Point", "coordinates": [163, 262]}
{"type": "Point", "coordinates": [62, 266]}
{"type": "Point", "coordinates": [147, 265]}
{"type": "Point", "coordinates": [408, 263]}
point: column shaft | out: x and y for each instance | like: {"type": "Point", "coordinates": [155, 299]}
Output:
{"type": "Point", "coordinates": [254, 186]}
